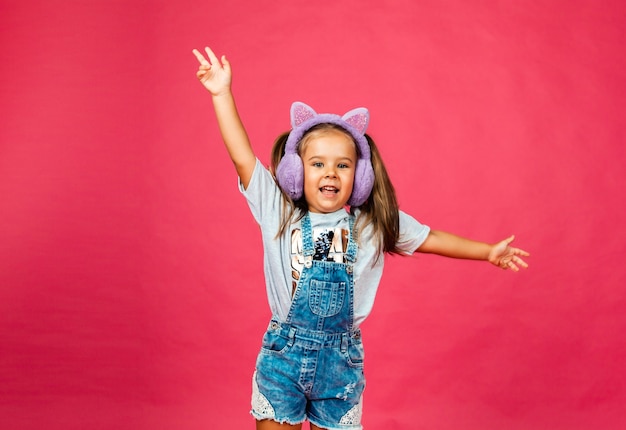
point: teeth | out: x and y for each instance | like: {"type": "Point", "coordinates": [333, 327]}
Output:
{"type": "Point", "coordinates": [330, 189]}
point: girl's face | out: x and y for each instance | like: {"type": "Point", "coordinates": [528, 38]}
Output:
{"type": "Point", "coordinates": [329, 160]}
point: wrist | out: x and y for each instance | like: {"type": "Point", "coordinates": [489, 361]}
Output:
{"type": "Point", "coordinates": [491, 257]}
{"type": "Point", "coordinates": [222, 95]}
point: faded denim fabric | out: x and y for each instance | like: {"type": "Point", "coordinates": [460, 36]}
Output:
{"type": "Point", "coordinates": [311, 365]}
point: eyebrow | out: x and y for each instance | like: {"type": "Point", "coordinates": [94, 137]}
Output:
{"type": "Point", "coordinates": [321, 157]}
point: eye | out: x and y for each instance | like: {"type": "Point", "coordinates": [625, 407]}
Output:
{"type": "Point", "coordinates": [343, 166]}
{"type": "Point", "coordinates": [318, 164]}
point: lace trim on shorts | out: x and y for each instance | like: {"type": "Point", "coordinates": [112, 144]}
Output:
{"type": "Point", "coordinates": [260, 404]}
{"type": "Point", "coordinates": [353, 416]}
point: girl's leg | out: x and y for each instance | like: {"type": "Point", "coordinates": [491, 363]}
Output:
{"type": "Point", "coordinates": [273, 425]}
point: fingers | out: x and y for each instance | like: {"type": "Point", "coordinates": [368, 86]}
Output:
{"type": "Point", "coordinates": [517, 251]}
{"type": "Point", "coordinates": [200, 58]}
{"type": "Point", "coordinates": [513, 264]}
{"type": "Point", "coordinates": [212, 57]}
{"type": "Point", "coordinates": [516, 261]}
{"type": "Point", "coordinates": [226, 64]}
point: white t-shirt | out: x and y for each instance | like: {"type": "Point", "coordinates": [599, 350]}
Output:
{"type": "Point", "coordinates": [283, 255]}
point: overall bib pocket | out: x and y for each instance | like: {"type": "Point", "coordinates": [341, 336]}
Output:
{"type": "Point", "coordinates": [326, 298]}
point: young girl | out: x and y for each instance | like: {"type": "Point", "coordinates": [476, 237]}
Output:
{"type": "Point", "coordinates": [322, 263]}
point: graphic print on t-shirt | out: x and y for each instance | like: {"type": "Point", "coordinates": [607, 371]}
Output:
{"type": "Point", "coordinates": [329, 245]}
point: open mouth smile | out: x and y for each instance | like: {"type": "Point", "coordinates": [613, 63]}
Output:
{"type": "Point", "coordinates": [329, 189]}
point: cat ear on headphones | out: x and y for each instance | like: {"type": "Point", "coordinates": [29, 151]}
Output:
{"type": "Point", "coordinates": [358, 118]}
{"type": "Point", "coordinates": [300, 112]}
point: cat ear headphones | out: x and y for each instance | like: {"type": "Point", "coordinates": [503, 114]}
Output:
{"type": "Point", "coordinates": [290, 171]}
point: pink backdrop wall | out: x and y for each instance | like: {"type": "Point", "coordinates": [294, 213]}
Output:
{"type": "Point", "coordinates": [131, 291]}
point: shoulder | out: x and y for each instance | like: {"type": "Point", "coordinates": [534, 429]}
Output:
{"type": "Point", "coordinates": [407, 220]}
{"type": "Point", "coordinates": [412, 233]}
{"type": "Point", "coordinates": [261, 181]}
{"type": "Point", "coordinates": [262, 193]}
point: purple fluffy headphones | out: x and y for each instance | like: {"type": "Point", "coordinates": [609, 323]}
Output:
{"type": "Point", "coordinates": [290, 171]}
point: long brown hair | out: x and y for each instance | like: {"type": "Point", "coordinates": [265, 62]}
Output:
{"type": "Point", "coordinates": [380, 209]}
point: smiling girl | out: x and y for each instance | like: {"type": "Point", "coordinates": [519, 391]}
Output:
{"type": "Point", "coordinates": [328, 216]}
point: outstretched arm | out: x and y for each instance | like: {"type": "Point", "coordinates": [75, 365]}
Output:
{"type": "Point", "coordinates": [216, 77]}
{"type": "Point", "coordinates": [450, 245]}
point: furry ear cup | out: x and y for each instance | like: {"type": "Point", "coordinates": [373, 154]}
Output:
{"type": "Point", "coordinates": [290, 175]}
{"type": "Point", "coordinates": [363, 183]}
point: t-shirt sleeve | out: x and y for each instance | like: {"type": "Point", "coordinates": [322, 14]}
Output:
{"type": "Point", "coordinates": [262, 194]}
{"type": "Point", "coordinates": [412, 233]}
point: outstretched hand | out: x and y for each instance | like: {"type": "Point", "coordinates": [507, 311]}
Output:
{"type": "Point", "coordinates": [216, 76]}
{"type": "Point", "coordinates": [507, 257]}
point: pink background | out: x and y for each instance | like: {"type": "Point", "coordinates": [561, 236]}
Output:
{"type": "Point", "coordinates": [131, 290]}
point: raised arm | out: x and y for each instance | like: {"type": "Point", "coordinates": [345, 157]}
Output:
{"type": "Point", "coordinates": [450, 245]}
{"type": "Point", "coordinates": [216, 77]}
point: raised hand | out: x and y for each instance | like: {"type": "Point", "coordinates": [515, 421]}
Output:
{"type": "Point", "coordinates": [216, 76]}
{"type": "Point", "coordinates": [507, 257]}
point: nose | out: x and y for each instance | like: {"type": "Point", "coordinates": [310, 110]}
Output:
{"type": "Point", "coordinates": [330, 173]}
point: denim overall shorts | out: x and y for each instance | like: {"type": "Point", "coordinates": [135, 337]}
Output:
{"type": "Point", "coordinates": [311, 365]}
